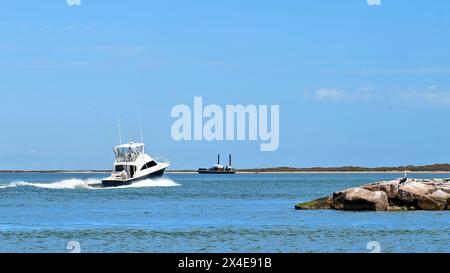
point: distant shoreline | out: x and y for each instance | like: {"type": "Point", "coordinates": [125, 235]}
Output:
{"type": "Point", "coordinates": [311, 172]}
{"type": "Point", "coordinates": [436, 168]}
{"type": "Point", "coordinates": [54, 171]}
{"type": "Point", "coordinates": [237, 172]}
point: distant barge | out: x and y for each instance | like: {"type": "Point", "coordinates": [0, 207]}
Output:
{"type": "Point", "coordinates": [218, 168]}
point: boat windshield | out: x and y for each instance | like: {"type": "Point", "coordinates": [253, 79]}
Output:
{"type": "Point", "coordinates": [128, 154]}
{"type": "Point", "coordinates": [129, 150]}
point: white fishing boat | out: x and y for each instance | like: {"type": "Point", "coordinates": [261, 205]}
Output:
{"type": "Point", "coordinates": [132, 164]}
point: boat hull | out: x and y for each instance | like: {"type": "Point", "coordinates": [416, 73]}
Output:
{"type": "Point", "coordinates": [215, 172]}
{"type": "Point", "coordinates": [117, 183]}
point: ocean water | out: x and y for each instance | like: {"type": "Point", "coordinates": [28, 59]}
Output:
{"type": "Point", "coordinates": [205, 213]}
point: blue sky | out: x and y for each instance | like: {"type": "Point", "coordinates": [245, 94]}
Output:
{"type": "Point", "coordinates": [356, 84]}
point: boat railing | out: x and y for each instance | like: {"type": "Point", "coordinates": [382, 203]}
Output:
{"type": "Point", "coordinates": [126, 158]}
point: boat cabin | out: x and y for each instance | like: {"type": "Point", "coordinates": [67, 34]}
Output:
{"type": "Point", "coordinates": [128, 158]}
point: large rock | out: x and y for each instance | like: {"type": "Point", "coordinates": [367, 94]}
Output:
{"type": "Point", "coordinates": [440, 194]}
{"type": "Point", "coordinates": [438, 200]}
{"type": "Point", "coordinates": [410, 193]}
{"type": "Point", "coordinates": [337, 201]}
{"type": "Point", "coordinates": [360, 199]}
{"type": "Point", "coordinates": [388, 187]}
{"type": "Point", "coordinates": [445, 187]}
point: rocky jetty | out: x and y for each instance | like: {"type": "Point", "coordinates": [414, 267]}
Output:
{"type": "Point", "coordinates": [394, 195]}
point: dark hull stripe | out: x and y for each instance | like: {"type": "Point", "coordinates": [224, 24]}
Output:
{"type": "Point", "coordinates": [115, 183]}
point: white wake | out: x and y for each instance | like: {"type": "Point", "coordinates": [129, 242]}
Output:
{"type": "Point", "coordinates": [91, 183]}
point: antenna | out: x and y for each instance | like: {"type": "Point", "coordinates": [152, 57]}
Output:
{"type": "Point", "coordinates": [142, 134]}
{"type": "Point", "coordinates": [120, 131]}
{"type": "Point", "coordinates": [103, 126]}
{"type": "Point", "coordinates": [126, 128]}
{"type": "Point", "coordinates": [140, 127]}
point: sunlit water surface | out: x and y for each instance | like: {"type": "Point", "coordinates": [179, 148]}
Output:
{"type": "Point", "coordinates": [204, 213]}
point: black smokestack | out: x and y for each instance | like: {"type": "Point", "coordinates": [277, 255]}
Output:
{"type": "Point", "coordinates": [230, 160]}
{"type": "Point", "coordinates": [218, 159]}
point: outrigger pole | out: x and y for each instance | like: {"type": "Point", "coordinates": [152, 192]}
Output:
{"type": "Point", "coordinates": [120, 131]}
{"type": "Point", "coordinates": [140, 127]}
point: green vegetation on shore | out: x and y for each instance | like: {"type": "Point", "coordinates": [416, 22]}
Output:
{"type": "Point", "coordinates": [410, 168]}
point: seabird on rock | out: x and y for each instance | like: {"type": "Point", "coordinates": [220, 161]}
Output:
{"type": "Point", "coordinates": [404, 179]}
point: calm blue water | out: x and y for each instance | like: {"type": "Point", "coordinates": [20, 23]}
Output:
{"type": "Point", "coordinates": [194, 213]}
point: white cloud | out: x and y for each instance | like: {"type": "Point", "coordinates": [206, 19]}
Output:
{"type": "Point", "coordinates": [71, 26]}
{"type": "Point", "coordinates": [333, 94]}
{"type": "Point", "coordinates": [241, 43]}
{"type": "Point", "coordinates": [73, 2]}
{"type": "Point", "coordinates": [374, 2]}
{"type": "Point", "coordinates": [330, 94]}
{"type": "Point", "coordinates": [124, 50]}
{"type": "Point", "coordinates": [425, 95]}
{"type": "Point", "coordinates": [400, 71]}
{"type": "Point", "coordinates": [428, 96]}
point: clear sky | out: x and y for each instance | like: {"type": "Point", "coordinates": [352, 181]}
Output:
{"type": "Point", "coordinates": [356, 84]}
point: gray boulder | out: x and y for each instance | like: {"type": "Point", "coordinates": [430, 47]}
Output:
{"type": "Point", "coordinates": [445, 187]}
{"type": "Point", "coordinates": [410, 193]}
{"type": "Point", "coordinates": [388, 187]}
{"type": "Point", "coordinates": [360, 199]}
{"type": "Point", "coordinates": [438, 200]}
